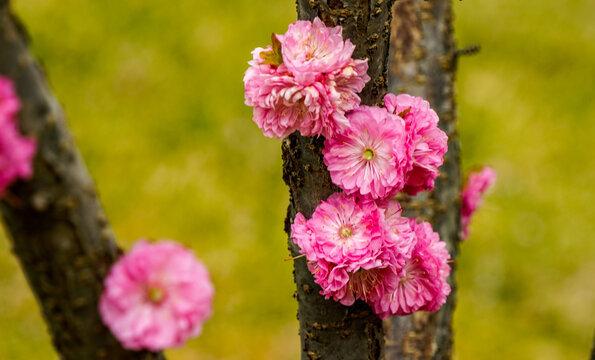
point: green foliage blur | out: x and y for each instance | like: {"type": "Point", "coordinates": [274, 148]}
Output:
{"type": "Point", "coordinates": [154, 95]}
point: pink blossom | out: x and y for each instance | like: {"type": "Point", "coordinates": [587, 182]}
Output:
{"type": "Point", "coordinates": [369, 157]}
{"type": "Point", "coordinates": [16, 151]}
{"type": "Point", "coordinates": [342, 231]}
{"type": "Point", "coordinates": [422, 284]}
{"type": "Point", "coordinates": [279, 102]}
{"type": "Point", "coordinates": [398, 230]}
{"type": "Point", "coordinates": [426, 141]}
{"type": "Point", "coordinates": [346, 249]}
{"type": "Point", "coordinates": [370, 285]}
{"type": "Point", "coordinates": [9, 102]}
{"type": "Point", "coordinates": [305, 82]}
{"type": "Point", "coordinates": [477, 185]}
{"type": "Point", "coordinates": [310, 49]}
{"type": "Point", "coordinates": [156, 296]}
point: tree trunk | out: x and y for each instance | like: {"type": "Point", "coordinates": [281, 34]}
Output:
{"type": "Point", "coordinates": [58, 229]}
{"type": "Point", "coordinates": [329, 330]}
{"type": "Point", "coordinates": [423, 63]}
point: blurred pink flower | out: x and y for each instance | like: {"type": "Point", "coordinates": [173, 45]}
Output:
{"type": "Point", "coordinates": [156, 296]}
{"type": "Point", "coordinates": [427, 142]}
{"type": "Point", "coordinates": [304, 82]}
{"type": "Point", "coordinates": [422, 284]}
{"type": "Point", "coordinates": [9, 102]}
{"type": "Point", "coordinates": [477, 185]}
{"type": "Point", "coordinates": [370, 156]}
{"type": "Point", "coordinates": [16, 151]}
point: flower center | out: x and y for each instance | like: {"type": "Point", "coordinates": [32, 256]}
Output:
{"type": "Point", "coordinates": [363, 282]}
{"type": "Point", "coordinates": [155, 294]}
{"type": "Point", "coordinates": [368, 154]}
{"type": "Point", "coordinates": [345, 231]}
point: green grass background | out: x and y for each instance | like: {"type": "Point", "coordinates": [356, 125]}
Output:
{"type": "Point", "coordinates": [154, 95]}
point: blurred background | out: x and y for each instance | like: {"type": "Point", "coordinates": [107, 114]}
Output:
{"type": "Point", "coordinates": [154, 95]}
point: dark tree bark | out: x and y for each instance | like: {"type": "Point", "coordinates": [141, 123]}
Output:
{"type": "Point", "coordinates": [423, 63]}
{"type": "Point", "coordinates": [329, 330]}
{"type": "Point", "coordinates": [58, 229]}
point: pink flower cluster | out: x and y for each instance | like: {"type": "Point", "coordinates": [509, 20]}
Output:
{"type": "Point", "coordinates": [387, 150]}
{"type": "Point", "coordinates": [477, 184]}
{"type": "Point", "coordinates": [156, 296]}
{"type": "Point", "coordinates": [305, 81]}
{"type": "Point", "coordinates": [16, 152]}
{"type": "Point", "coordinates": [360, 249]}
{"type": "Point", "coordinates": [357, 244]}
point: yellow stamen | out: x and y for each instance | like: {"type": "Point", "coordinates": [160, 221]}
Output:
{"type": "Point", "coordinates": [368, 154]}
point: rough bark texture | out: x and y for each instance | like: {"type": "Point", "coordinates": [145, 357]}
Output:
{"type": "Point", "coordinates": [423, 62]}
{"type": "Point", "coordinates": [329, 330]}
{"type": "Point", "coordinates": [57, 227]}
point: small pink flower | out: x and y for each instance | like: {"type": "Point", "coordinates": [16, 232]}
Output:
{"type": "Point", "coordinates": [305, 82]}
{"type": "Point", "coordinates": [422, 284]}
{"type": "Point", "coordinates": [156, 296]}
{"type": "Point", "coordinates": [426, 141]}
{"type": "Point", "coordinates": [16, 151]}
{"type": "Point", "coordinates": [477, 185]}
{"type": "Point", "coordinates": [369, 157]}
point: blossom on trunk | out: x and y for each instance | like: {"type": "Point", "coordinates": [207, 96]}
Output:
{"type": "Point", "coordinates": [398, 230]}
{"type": "Point", "coordinates": [370, 156]}
{"type": "Point", "coordinates": [422, 281]}
{"type": "Point", "coordinates": [343, 230]}
{"type": "Point", "coordinates": [305, 81]}
{"type": "Point", "coordinates": [358, 248]}
{"type": "Point", "coordinates": [16, 151]}
{"type": "Point", "coordinates": [368, 284]}
{"type": "Point", "coordinates": [477, 184]}
{"type": "Point", "coordinates": [156, 296]}
{"type": "Point", "coordinates": [344, 243]}
{"type": "Point", "coordinates": [427, 142]}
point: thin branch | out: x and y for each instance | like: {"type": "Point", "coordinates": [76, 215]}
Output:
{"type": "Point", "coordinates": [468, 50]}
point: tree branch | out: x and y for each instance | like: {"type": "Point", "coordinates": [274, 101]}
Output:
{"type": "Point", "coordinates": [329, 330]}
{"type": "Point", "coordinates": [423, 63]}
{"type": "Point", "coordinates": [58, 229]}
